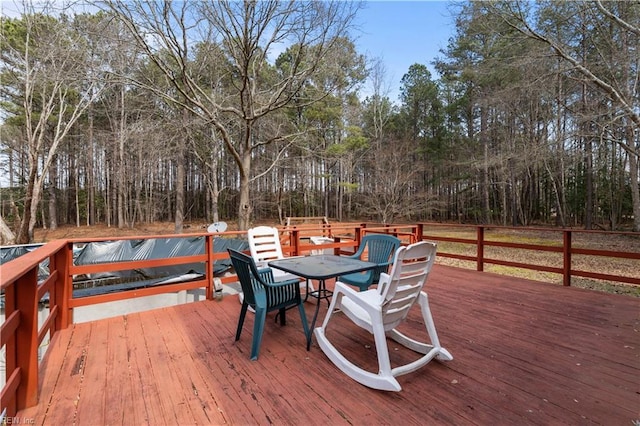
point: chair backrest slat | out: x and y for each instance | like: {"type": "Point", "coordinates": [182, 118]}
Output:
{"type": "Point", "coordinates": [380, 249]}
{"type": "Point", "coordinates": [401, 288]}
{"type": "Point", "coordinates": [264, 243]}
{"type": "Point", "coordinates": [247, 274]}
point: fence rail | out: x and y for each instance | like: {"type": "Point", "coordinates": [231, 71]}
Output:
{"type": "Point", "coordinates": [566, 249]}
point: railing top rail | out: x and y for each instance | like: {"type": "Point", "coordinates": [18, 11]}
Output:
{"type": "Point", "coordinates": [317, 226]}
{"type": "Point", "coordinates": [30, 245]}
{"type": "Point", "coordinates": [388, 227]}
{"type": "Point", "coordinates": [529, 228]}
{"type": "Point", "coordinates": [152, 237]}
{"type": "Point", "coordinates": [25, 263]}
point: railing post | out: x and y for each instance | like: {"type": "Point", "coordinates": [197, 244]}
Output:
{"type": "Point", "coordinates": [63, 286]}
{"type": "Point", "coordinates": [566, 256]}
{"type": "Point", "coordinates": [27, 339]}
{"type": "Point", "coordinates": [208, 248]}
{"type": "Point", "coordinates": [294, 242]}
{"type": "Point", "coordinates": [358, 234]}
{"type": "Point", "coordinates": [11, 351]}
{"type": "Point", "coordinates": [480, 248]}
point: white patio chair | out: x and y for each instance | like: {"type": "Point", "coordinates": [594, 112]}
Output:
{"type": "Point", "coordinates": [264, 245]}
{"type": "Point", "coordinates": [319, 241]}
{"type": "Point", "coordinates": [381, 310]}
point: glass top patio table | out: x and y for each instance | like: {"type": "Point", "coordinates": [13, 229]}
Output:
{"type": "Point", "coordinates": [320, 267]}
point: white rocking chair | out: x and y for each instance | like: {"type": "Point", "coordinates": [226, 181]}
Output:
{"type": "Point", "coordinates": [381, 310]}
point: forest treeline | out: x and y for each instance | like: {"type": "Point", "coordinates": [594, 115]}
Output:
{"type": "Point", "coordinates": [136, 111]}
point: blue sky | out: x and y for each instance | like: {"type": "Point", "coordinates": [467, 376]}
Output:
{"type": "Point", "coordinates": [403, 33]}
{"type": "Point", "coordinates": [400, 33]}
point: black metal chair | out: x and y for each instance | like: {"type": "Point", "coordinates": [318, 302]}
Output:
{"type": "Point", "coordinates": [264, 295]}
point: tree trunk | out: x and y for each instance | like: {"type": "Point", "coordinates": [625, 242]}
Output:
{"type": "Point", "coordinates": [484, 140]}
{"type": "Point", "coordinates": [588, 170]}
{"type": "Point", "coordinates": [76, 191]}
{"type": "Point", "coordinates": [120, 167]}
{"type": "Point", "coordinates": [588, 163]}
{"type": "Point", "coordinates": [279, 204]}
{"type": "Point", "coordinates": [108, 196]}
{"type": "Point", "coordinates": [558, 159]}
{"type": "Point", "coordinates": [120, 200]}
{"type": "Point", "coordinates": [90, 208]}
{"type": "Point", "coordinates": [635, 184]}
{"type": "Point", "coordinates": [213, 185]}
{"type": "Point", "coordinates": [53, 202]}
{"type": "Point", "coordinates": [326, 182]}
{"type": "Point", "coordinates": [179, 219]}
{"type": "Point", "coordinates": [23, 231]}
{"type": "Point", "coordinates": [33, 208]}
{"type": "Point", "coordinates": [244, 207]}
{"type": "Point", "coordinates": [7, 237]}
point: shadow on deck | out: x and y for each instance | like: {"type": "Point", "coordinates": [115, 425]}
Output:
{"type": "Point", "coordinates": [524, 353]}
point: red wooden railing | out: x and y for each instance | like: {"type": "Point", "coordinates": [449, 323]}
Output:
{"type": "Point", "coordinates": [21, 334]}
{"type": "Point", "coordinates": [426, 231]}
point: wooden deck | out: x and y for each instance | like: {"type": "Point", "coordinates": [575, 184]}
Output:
{"type": "Point", "coordinates": [524, 353]}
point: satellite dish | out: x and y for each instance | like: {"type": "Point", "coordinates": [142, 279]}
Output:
{"type": "Point", "coordinates": [216, 227]}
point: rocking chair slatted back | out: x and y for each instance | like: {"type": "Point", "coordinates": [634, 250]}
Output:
{"type": "Point", "coordinates": [401, 288]}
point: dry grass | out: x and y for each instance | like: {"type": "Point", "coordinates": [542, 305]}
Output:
{"type": "Point", "coordinates": [606, 265]}
{"type": "Point", "coordinates": [624, 267]}
{"type": "Point", "coordinates": [101, 231]}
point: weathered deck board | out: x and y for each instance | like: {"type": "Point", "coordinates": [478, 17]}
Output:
{"type": "Point", "coordinates": [63, 366]}
{"type": "Point", "coordinates": [524, 352]}
{"type": "Point", "coordinates": [145, 406]}
{"type": "Point", "coordinates": [91, 403]}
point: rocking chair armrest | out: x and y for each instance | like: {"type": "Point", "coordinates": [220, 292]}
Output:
{"type": "Point", "coordinates": [383, 283]}
{"type": "Point", "coordinates": [384, 278]}
{"type": "Point", "coordinates": [353, 295]}
{"type": "Point", "coordinates": [344, 288]}
{"type": "Point", "coordinates": [382, 267]}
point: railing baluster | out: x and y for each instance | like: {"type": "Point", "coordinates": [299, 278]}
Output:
{"type": "Point", "coordinates": [27, 338]}
{"type": "Point", "coordinates": [566, 257]}
{"type": "Point", "coordinates": [480, 248]}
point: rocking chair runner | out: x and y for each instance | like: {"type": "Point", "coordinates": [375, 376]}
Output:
{"type": "Point", "coordinates": [381, 310]}
{"type": "Point", "coordinates": [264, 295]}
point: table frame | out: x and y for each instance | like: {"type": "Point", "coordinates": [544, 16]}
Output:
{"type": "Point", "coordinates": [321, 268]}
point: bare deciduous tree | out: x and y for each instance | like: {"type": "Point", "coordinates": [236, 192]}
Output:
{"type": "Point", "coordinates": [55, 83]}
{"type": "Point", "coordinates": [610, 74]}
{"type": "Point", "coordinates": [249, 33]}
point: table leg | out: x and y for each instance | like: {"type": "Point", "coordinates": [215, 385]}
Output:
{"type": "Point", "coordinates": [306, 294]}
{"type": "Point", "coordinates": [321, 293]}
